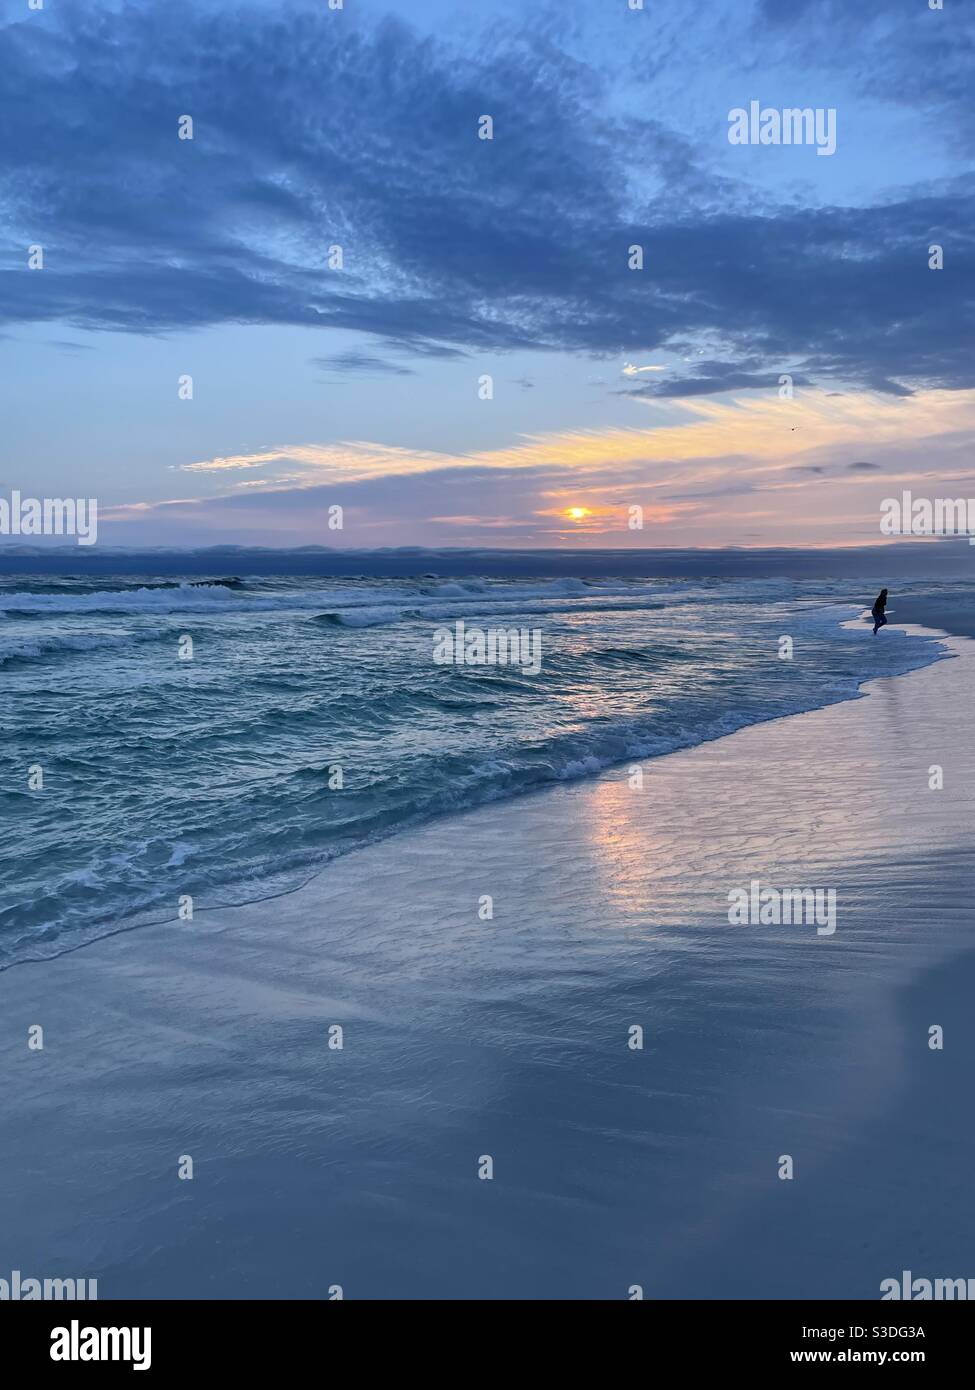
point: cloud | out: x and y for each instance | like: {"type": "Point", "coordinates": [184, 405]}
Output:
{"type": "Point", "coordinates": [714, 471]}
{"type": "Point", "coordinates": [709, 379]}
{"type": "Point", "coordinates": [361, 362]}
{"type": "Point", "coordinates": [906, 40]}
{"type": "Point", "coordinates": [451, 245]}
{"type": "Point", "coordinates": [763, 433]}
{"type": "Point", "coordinates": [350, 459]}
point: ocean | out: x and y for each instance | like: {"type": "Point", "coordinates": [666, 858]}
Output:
{"type": "Point", "coordinates": [312, 718]}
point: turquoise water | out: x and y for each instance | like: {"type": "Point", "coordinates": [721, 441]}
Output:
{"type": "Point", "coordinates": [209, 777]}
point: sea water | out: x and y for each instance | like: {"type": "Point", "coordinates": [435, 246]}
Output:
{"type": "Point", "coordinates": [169, 742]}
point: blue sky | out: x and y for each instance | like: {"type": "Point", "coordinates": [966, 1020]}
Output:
{"type": "Point", "coordinates": [463, 258]}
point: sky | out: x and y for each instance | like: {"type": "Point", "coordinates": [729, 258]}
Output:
{"type": "Point", "coordinates": [486, 367]}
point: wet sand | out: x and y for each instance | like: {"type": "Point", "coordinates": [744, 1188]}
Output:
{"type": "Point", "coordinates": [466, 1037]}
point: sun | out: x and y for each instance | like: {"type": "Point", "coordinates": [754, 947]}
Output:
{"type": "Point", "coordinates": [577, 513]}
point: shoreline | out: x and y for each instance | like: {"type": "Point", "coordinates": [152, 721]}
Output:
{"type": "Point", "coordinates": [147, 918]}
{"type": "Point", "coordinates": [508, 1037]}
{"type": "Point", "coordinates": [945, 614]}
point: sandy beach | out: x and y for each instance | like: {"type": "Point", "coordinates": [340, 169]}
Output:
{"type": "Point", "coordinates": [467, 1036]}
{"type": "Point", "coordinates": [487, 645]}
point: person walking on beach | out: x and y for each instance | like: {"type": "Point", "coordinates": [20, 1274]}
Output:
{"type": "Point", "coordinates": [879, 616]}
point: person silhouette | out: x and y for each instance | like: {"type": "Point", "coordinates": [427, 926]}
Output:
{"type": "Point", "coordinates": [879, 616]}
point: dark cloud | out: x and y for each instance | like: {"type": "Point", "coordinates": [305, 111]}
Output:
{"type": "Point", "coordinates": [362, 363]}
{"type": "Point", "coordinates": [863, 467]}
{"type": "Point", "coordinates": [310, 133]}
{"type": "Point", "coordinates": [906, 41]}
{"type": "Point", "coordinates": [708, 377]}
{"type": "Point", "coordinates": [425, 349]}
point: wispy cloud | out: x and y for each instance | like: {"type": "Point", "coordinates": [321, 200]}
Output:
{"type": "Point", "coordinates": [760, 434]}
{"type": "Point", "coordinates": [362, 363]}
{"type": "Point", "coordinates": [785, 472]}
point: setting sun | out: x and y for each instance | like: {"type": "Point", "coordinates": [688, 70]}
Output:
{"type": "Point", "coordinates": [577, 513]}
